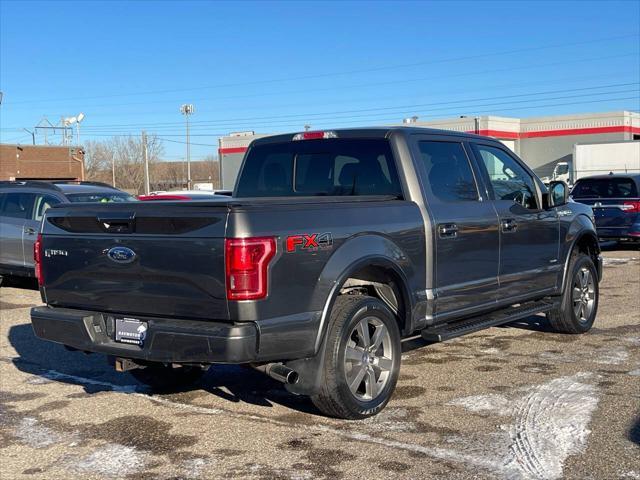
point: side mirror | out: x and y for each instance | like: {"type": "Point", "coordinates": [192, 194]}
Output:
{"type": "Point", "coordinates": [558, 193]}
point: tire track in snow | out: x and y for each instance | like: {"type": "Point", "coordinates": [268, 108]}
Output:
{"type": "Point", "coordinates": [550, 422]}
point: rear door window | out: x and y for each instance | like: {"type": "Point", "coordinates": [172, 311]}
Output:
{"type": "Point", "coordinates": [605, 188]}
{"type": "Point", "coordinates": [448, 171]}
{"type": "Point", "coordinates": [18, 205]}
{"type": "Point", "coordinates": [319, 167]}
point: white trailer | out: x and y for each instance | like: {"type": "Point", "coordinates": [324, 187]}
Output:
{"type": "Point", "coordinates": [231, 153]}
{"type": "Point", "coordinates": [603, 158]}
{"type": "Point", "coordinates": [599, 159]}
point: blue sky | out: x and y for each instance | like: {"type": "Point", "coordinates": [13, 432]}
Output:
{"type": "Point", "coordinates": [275, 66]}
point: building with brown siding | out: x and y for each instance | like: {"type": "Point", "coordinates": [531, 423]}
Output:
{"type": "Point", "coordinates": [41, 162]}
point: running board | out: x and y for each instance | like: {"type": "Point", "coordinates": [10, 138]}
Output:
{"type": "Point", "coordinates": [447, 331]}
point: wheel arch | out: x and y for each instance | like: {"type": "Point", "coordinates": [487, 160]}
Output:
{"type": "Point", "coordinates": [367, 258]}
{"type": "Point", "coordinates": [584, 241]}
{"type": "Point", "coordinates": [374, 271]}
{"type": "Point", "coordinates": [309, 369]}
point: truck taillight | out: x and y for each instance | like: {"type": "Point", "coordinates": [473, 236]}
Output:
{"type": "Point", "coordinates": [247, 261]}
{"type": "Point", "coordinates": [37, 258]}
{"type": "Point", "coordinates": [314, 136]}
{"type": "Point", "coordinates": [631, 207]}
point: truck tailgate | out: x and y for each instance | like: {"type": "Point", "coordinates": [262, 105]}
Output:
{"type": "Point", "coordinates": [156, 258]}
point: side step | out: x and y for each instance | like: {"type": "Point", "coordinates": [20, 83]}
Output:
{"type": "Point", "coordinates": [447, 331]}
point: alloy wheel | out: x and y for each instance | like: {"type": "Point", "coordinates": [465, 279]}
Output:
{"type": "Point", "coordinates": [368, 358]}
{"type": "Point", "coordinates": [583, 294]}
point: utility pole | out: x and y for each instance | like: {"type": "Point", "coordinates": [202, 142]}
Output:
{"type": "Point", "coordinates": [187, 109]}
{"type": "Point", "coordinates": [113, 170]}
{"type": "Point", "coordinates": [145, 155]}
{"type": "Point", "coordinates": [33, 135]}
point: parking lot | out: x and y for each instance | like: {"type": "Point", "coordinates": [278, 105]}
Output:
{"type": "Point", "coordinates": [513, 402]}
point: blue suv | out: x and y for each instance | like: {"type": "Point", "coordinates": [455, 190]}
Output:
{"type": "Point", "coordinates": [615, 200]}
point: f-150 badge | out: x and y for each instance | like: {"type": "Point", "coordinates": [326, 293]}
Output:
{"type": "Point", "coordinates": [309, 241]}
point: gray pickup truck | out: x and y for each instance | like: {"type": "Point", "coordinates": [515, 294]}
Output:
{"type": "Point", "coordinates": [334, 247]}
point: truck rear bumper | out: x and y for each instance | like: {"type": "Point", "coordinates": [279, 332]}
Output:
{"type": "Point", "coordinates": [167, 340]}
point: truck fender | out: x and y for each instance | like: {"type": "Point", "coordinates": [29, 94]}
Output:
{"type": "Point", "coordinates": [581, 230]}
{"type": "Point", "coordinates": [353, 255]}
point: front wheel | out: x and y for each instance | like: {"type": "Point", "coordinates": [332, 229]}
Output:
{"type": "Point", "coordinates": [362, 361]}
{"type": "Point", "coordinates": [579, 301]}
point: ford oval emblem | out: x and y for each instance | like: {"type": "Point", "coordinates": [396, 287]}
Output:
{"type": "Point", "coordinates": [121, 254]}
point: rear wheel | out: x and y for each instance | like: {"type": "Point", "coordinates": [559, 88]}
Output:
{"type": "Point", "coordinates": [166, 377]}
{"type": "Point", "coordinates": [362, 360]}
{"type": "Point", "coordinates": [579, 301]}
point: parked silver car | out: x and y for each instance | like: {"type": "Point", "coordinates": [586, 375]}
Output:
{"type": "Point", "coordinates": [22, 205]}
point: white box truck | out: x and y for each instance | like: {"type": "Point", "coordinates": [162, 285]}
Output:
{"type": "Point", "coordinates": [598, 159]}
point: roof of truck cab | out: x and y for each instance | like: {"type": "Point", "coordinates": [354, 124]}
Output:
{"type": "Point", "coordinates": [369, 132]}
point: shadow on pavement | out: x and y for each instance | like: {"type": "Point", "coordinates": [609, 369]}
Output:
{"type": "Point", "coordinates": [233, 383]}
{"type": "Point", "coordinates": [19, 282]}
{"type": "Point", "coordinates": [614, 246]}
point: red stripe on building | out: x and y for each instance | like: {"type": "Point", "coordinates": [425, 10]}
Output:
{"type": "Point", "coordinates": [513, 135]}
{"type": "Point", "coordinates": [499, 133]}
{"type": "Point", "coordinates": [581, 131]}
{"type": "Point", "coordinates": [559, 133]}
{"type": "Point", "coordinates": [222, 151]}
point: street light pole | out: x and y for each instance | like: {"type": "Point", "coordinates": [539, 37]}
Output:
{"type": "Point", "coordinates": [145, 155]}
{"type": "Point", "coordinates": [113, 170]}
{"type": "Point", "coordinates": [187, 109]}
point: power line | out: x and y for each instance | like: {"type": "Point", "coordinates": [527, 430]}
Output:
{"type": "Point", "coordinates": [184, 143]}
{"type": "Point", "coordinates": [338, 112]}
{"type": "Point", "coordinates": [399, 110]}
{"type": "Point", "coordinates": [332, 74]}
{"type": "Point", "coordinates": [390, 119]}
{"type": "Point", "coordinates": [377, 98]}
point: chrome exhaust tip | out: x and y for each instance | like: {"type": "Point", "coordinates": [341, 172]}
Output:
{"type": "Point", "coordinates": [279, 372]}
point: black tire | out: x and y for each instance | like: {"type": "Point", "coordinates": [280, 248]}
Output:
{"type": "Point", "coordinates": [166, 378]}
{"type": "Point", "coordinates": [381, 365]}
{"type": "Point", "coordinates": [564, 319]}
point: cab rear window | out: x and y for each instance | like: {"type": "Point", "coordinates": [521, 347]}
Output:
{"type": "Point", "coordinates": [605, 188]}
{"type": "Point", "coordinates": [106, 197]}
{"type": "Point", "coordinates": [319, 167]}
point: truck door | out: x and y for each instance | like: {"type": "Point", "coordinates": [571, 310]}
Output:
{"type": "Point", "coordinates": [466, 238]}
{"type": "Point", "coordinates": [31, 226]}
{"type": "Point", "coordinates": [16, 208]}
{"type": "Point", "coordinates": [529, 235]}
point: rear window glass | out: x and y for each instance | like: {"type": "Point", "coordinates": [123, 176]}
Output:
{"type": "Point", "coordinates": [319, 167]}
{"type": "Point", "coordinates": [100, 197]}
{"type": "Point", "coordinates": [605, 188]}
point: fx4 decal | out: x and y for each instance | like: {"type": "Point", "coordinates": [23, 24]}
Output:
{"type": "Point", "coordinates": [309, 241]}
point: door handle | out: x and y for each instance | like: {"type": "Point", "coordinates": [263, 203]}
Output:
{"type": "Point", "coordinates": [509, 225]}
{"type": "Point", "coordinates": [29, 230]}
{"type": "Point", "coordinates": [448, 230]}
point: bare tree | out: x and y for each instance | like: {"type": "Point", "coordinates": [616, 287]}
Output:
{"type": "Point", "coordinates": [126, 152]}
{"type": "Point", "coordinates": [97, 161]}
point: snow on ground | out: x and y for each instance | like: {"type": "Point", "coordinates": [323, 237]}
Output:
{"type": "Point", "coordinates": [112, 460]}
{"type": "Point", "coordinates": [549, 423]}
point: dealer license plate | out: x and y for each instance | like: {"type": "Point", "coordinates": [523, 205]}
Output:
{"type": "Point", "coordinates": [130, 330]}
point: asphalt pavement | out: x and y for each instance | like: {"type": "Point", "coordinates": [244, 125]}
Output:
{"type": "Point", "coordinates": [514, 402]}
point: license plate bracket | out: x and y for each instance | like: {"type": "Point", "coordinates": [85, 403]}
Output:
{"type": "Point", "coordinates": [131, 331]}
